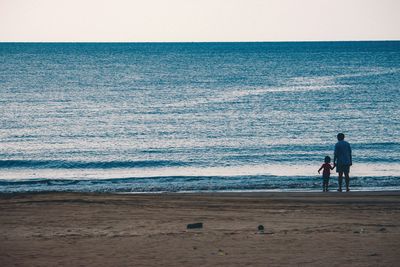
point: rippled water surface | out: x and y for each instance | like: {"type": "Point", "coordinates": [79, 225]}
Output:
{"type": "Point", "coordinates": [196, 116]}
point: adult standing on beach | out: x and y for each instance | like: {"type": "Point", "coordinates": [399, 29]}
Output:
{"type": "Point", "coordinates": [342, 161]}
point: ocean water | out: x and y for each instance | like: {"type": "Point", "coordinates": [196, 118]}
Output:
{"type": "Point", "coordinates": [189, 117]}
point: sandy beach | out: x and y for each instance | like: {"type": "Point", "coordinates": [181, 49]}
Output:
{"type": "Point", "coordinates": [300, 229]}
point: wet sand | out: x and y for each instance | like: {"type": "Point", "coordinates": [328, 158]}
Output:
{"type": "Point", "coordinates": [301, 229]}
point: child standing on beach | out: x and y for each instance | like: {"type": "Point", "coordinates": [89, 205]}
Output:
{"type": "Point", "coordinates": [327, 167]}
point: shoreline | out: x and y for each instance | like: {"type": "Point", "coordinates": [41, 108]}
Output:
{"type": "Point", "coordinates": [195, 184]}
{"type": "Point", "coordinates": [223, 192]}
{"type": "Point", "coordinates": [331, 193]}
{"type": "Point", "coordinates": [103, 229]}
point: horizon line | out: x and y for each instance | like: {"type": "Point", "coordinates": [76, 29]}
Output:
{"type": "Point", "coordinates": [254, 41]}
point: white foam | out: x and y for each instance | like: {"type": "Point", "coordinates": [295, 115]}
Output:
{"type": "Point", "coordinates": [359, 170]}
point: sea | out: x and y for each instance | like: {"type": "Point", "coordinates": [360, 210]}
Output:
{"type": "Point", "coordinates": [197, 117]}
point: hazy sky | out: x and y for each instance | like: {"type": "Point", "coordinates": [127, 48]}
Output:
{"type": "Point", "coordinates": [198, 20]}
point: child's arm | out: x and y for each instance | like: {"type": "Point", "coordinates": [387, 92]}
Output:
{"type": "Point", "coordinates": [332, 167]}
{"type": "Point", "coordinates": [321, 168]}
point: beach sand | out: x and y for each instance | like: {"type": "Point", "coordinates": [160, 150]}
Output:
{"type": "Point", "coordinates": [301, 229]}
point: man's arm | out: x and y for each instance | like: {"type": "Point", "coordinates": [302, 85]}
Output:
{"type": "Point", "coordinates": [351, 158]}
{"type": "Point", "coordinates": [335, 156]}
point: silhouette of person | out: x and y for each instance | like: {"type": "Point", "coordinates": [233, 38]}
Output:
{"type": "Point", "coordinates": [326, 173]}
{"type": "Point", "coordinates": [342, 160]}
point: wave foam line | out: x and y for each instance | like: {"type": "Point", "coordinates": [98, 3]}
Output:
{"type": "Point", "coordinates": [61, 164]}
{"type": "Point", "coordinates": [192, 184]}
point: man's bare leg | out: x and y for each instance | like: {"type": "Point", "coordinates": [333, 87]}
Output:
{"type": "Point", "coordinates": [340, 180]}
{"type": "Point", "coordinates": [347, 180]}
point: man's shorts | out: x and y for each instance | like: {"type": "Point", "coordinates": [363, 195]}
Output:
{"type": "Point", "coordinates": [343, 168]}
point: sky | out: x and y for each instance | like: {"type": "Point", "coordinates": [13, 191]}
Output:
{"type": "Point", "coordinates": [198, 20]}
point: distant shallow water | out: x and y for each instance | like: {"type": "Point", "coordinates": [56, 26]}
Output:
{"type": "Point", "coordinates": [196, 116]}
